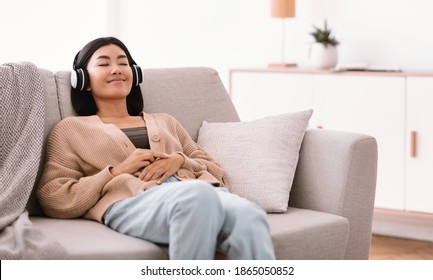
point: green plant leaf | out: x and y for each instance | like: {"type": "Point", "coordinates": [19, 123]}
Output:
{"type": "Point", "coordinates": [324, 36]}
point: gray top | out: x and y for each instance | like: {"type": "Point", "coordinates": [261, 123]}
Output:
{"type": "Point", "coordinates": [138, 136]}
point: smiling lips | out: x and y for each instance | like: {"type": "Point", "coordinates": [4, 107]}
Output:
{"type": "Point", "coordinates": [117, 80]}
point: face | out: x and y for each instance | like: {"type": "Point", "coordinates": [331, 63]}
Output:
{"type": "Point", "coordinates": [109, 73]}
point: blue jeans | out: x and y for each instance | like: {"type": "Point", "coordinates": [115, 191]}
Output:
{"type": "Point", "coordinates": [194, 219]}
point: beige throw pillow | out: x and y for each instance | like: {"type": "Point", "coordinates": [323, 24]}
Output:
{"type": "Point", "coordinates": [259, 156]}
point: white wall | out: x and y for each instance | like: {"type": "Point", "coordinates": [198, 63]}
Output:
{"type": "Point", "coordinates": [48, 32]}
{"type": "Point", "coordinates": [217, 33]}
{"type": "Point", "coordinates": [380, 32]}
{"type": "Point", "coordinates": [240, 33]}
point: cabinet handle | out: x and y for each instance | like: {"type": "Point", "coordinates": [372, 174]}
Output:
{"type": "Point", "coordinates": [413, 144]}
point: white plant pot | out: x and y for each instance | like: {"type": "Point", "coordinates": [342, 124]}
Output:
{"type": "Point", "coordinates": [323, 57]}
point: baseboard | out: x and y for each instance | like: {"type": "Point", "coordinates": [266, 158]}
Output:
{"type": "Point", "coordinates": [401, 224]}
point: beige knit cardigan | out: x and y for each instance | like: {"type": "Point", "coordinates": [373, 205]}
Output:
{"type": "Point", "coordinates": [76, 180]}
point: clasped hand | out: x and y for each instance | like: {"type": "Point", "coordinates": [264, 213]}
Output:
{"type": "Point", "coordinates": [151, 165]}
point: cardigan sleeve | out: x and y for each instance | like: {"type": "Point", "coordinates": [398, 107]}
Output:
{"type": "Point", "coordinates": [196, 158]}
{"type": "Point", "coordinates": [64, 191]}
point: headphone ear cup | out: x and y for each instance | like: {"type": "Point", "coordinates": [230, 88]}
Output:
{"type": "Point", "coordinates": [74, 78]}
{"type": "Point", "coordinates": [79, 79]}
{"type": "Point", "coordinates": [137, 75]}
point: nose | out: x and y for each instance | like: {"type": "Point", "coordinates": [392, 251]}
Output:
{"type": "Point", "coordinates": [116, 69]}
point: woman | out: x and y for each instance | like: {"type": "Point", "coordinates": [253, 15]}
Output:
{"type": "Point", "coordinates": [141, 174]}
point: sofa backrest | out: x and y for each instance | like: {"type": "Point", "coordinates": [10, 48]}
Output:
{"type": "Point", "coordinates": [192, 95]}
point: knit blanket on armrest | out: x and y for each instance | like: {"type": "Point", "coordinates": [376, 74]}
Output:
{"type": "Point", "coordinates": [21, 139]}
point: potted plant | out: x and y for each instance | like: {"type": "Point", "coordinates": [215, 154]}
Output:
{"type": "Point", "coordinates": [324, 51]}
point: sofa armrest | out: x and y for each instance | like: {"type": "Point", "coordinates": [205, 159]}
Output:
{"type": "Point", "coordinates": [336, 173]}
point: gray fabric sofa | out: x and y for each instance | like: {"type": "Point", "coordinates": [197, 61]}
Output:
{"type": "Point", "coordinates": [331, 203]}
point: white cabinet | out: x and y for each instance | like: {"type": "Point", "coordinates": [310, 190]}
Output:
{"type": "Point", "coordinates": [257, 95]}
{"type": "Point", "coordinates": [419, 151]}
{"type": "Point", "coordinates": [373, 106]}
{"type": "Point", "coordinates": [387, 106]}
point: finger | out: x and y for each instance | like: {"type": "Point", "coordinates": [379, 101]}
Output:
{"type": "Point", "coordinates": [144, 164]}
{"type": "Point", "coordinates": [151, 172]}
{"type": "Point", "coordinates": [146, 157]}
{"type": "Point", "coordinates": [163, 178]}
{"type": "Point", "coordinates": [146, 153]}
{"type": "Point", "coordinates": [144, 173]}
{"type": "Point", "coordinates": [151, 156]}
{"type": "Point", "coordinates": [154, 174]}
{"type": "Point", "coordinates": [159, 155]}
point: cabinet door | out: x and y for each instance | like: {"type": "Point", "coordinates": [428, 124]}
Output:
{"type": "Point", "coordinates": [372, 105]}
{"type": "Point", "coordinates": [260, 94]}
{"type": "Point", "coordinates": [419, 179]}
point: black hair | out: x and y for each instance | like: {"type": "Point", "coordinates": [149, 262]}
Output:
{"type": "Point", "coordinates": [83, 102]}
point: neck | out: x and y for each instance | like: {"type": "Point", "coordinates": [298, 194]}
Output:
{"type": "Point", "coordinates": [112, 109]}
{"type": "Point", "coordinates": [113, 116]}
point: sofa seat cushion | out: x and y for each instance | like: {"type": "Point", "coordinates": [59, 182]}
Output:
{"type": "Point", "coordinates": [85, 239]}
{"type": "Point", "coordinates": [306, 234]}
{"type": "Point", "coordinates": [297, 234]}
